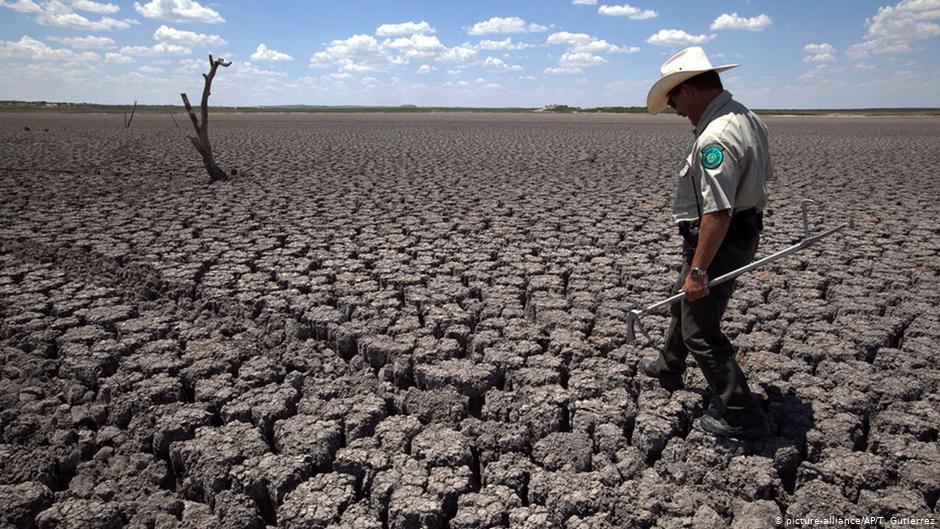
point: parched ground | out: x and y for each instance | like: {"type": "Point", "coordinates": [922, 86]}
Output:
{"type": "Point", "coordinates": [390, 321]}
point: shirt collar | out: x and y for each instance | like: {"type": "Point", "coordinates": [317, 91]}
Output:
{"type": "Point", "coordinates": [711, 110]}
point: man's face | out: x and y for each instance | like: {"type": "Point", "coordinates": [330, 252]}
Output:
{"type": "Point", "coordinates": [687, 102]}
{"type": "Point", "coordinates": [678, 99]}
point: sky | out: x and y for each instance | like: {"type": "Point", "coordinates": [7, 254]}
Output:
{"type": "Point", "coordinates": [484, 53]}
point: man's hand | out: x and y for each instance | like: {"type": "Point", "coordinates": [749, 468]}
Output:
{"type": "Point", "coordinates": [710, 234]}
{"type": "Point", "coordinates": [695, 289]}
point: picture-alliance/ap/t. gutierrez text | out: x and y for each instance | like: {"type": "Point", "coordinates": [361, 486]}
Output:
{"type": "Point", "coordinates": [863, 521]}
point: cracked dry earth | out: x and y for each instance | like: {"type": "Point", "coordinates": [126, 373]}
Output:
{"type": "Point", "coordinates": [418, 321]}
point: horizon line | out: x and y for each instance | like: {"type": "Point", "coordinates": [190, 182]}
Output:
{"type": "Point", "coordinates": [12, 104]}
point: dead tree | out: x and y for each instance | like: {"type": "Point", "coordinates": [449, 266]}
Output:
{"type": "Point", "coordinates": [201, 140]}
{"type": "Point", "coordinates": [127, 122]}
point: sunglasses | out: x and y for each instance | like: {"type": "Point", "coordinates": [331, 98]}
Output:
{"type": "Point", "coordinates": [673, 93]}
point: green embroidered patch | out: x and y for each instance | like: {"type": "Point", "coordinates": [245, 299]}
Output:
{"type": "Point", "coordinates": [712, 156]}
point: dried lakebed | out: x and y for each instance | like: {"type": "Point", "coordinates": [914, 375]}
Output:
{"type": "Point", "coordinates": [390, 321]}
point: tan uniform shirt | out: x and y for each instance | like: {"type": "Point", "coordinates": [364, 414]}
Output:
{"type": "Point", "coordinates": [728, 164]}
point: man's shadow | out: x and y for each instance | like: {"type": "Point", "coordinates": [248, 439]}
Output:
{"type": "Point", "coordinates": [789, 419]}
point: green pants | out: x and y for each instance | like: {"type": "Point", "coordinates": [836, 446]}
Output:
{"type": "Point", "coordinates": [696, 328]}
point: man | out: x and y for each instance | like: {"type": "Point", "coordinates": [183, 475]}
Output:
{"type": "Point", "coordinates": [722, 190]}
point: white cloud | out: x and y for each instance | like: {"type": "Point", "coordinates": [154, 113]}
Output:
{"type": "Point", "coordinates": [170, 35]}
{"type": "Point", "coordinates": [358, 53]}
{"type": "Point", "coordinates": [117, 58]}
{"type": "Point", "coordinates": [28, 48]}
{"type": "Point", "coordinates": [161, 48]}
{"type": "Point", "coordinates": [505, 44]}
{"type": "Point", "coordinates": [149, 69]}
{"type": "Point", "coordinates": [341, 76]}
{"type": "Point", "coordinates": [580, 60]}
{"type": "Point", "coordinates": [908, 19]}
{"type": "Point", "coordinates": [819, 57]}
{"type": "Point", "coordinates": [368, 80]}
{"type": "Point", "coordinates": [627, 10]}
{"type": "Point", "coordinates": [733, 21]}
{"type": "Point", "coordinates": [364, 53]}
{"type": "Point", "coordinates": [425, 68]}
{"type": "Point", "coordinates": [863, 49]}
{"type": "Point", "coordinates": [602, 46]}
{"type": "Point", "coordinates": [86, 43]}
{"type": "Point", "coordinates": [562, 71]}
{"type": "Point", "coordinates": [349, 66]}
{"type": "Point", "coordinates": [864, 67]}
{"type": "Point", "coordinates": [582, 52]}
{"type": "Point", "coordinates": [819, 48]}
{"type": "Point", "coordinates": [55, 13]}
{"type": "Point", "coordinates": [247, 69]}
{"type": "Point", "coordinates": [504, 25]}
{"type": "Point", "coordinates": [894, 29]}
{"type": "Point", "coordinates": [417, 46]}
{"type": "Point", "coordinates": [188, 66]}
{"type": "Point", "coordinates": [582, 42]}
{"type": "Point", "coordinates": [584, 2]}
{"type": "Point", "coordinates": [677, 37]}
{"type": "Point", "coordinates": [498, 65]}
{"type": "Point", "coordinates": [178, 11]}
{"type": "Point", "coordinates": [819, 53]}
{"type": "Point", "coordinates": [21, 6]}
{"type": "Point", "coordinates": [564, 37]}
{"type": "Point", "coordinates": [815, 73]}
{"type": "Point", "coordinates": [462, 53]}
{"type": "Point", "coordinates": [354, 46]}
{"type": "Point", "coordinates": [95, 7]}
{"type": "Point", "coordinates": [358, 47]}
{"type": "Point", "coordinates": [405, 28]}
{"type": "Point", "coordinates": [263, 53]}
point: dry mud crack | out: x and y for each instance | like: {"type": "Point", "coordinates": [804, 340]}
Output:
{"type": "Point", "coordinates": [419, 322]}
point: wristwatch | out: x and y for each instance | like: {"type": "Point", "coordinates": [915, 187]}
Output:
{"type": "Point", "coordinates": [697, 273]}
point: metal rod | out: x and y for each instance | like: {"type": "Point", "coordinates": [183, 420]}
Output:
{"type": "Point", "coordinates": [805, 205]}
{"type": "Point", "coordinates": [808, 241]}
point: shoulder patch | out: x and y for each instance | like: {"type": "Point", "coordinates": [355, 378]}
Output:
{"type": "Point", "coordinates": [712, 156]}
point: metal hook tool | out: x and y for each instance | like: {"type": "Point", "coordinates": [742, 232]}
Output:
{"type": "Point", "coordinates": [633, 317]}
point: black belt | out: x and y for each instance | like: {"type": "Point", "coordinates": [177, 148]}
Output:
{"type": "Point", "coordinates": [744, 225]}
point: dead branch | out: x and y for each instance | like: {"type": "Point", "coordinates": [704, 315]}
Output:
{"type": "Point", "coordinates": [201, 140]}
{"type": "Point", "coordinates": [127, 122]}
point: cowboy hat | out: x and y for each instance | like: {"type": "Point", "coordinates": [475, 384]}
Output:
{"type": "Point", "coordinates": [680, 67]}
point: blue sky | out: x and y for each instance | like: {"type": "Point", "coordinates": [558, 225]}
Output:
{"type": "Point", "coordinates": [794, 54]}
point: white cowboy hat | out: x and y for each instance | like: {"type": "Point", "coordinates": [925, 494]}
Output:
{"type": "Point", "coordinates": [682, 66]}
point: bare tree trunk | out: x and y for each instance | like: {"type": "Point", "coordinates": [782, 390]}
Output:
{"type": "Point", "coordinates": [127, 122]}
{"type": "Point", "coordinates": [201, 140]}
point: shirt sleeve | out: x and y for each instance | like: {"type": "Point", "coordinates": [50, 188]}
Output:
{"type": "Point", "coordinates": [718, 175]}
